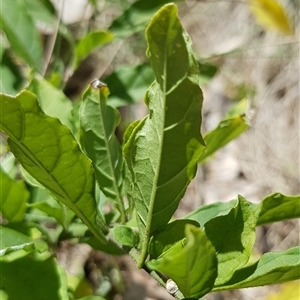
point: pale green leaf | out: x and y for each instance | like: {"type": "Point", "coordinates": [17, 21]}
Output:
{"type": "Point", "coordinates": [277, 207]}
{"type": "Point", "coordinates": [233, 237]}
{"type": "Point", "coordinates": [226, 131]}
{"type": "Point", "coordinates": [49, 152]}
{"type": "Point", "coordinates": [98, 124]}
{"type": "Point", "coordinates": [163, 149]}
{"type": "Point", "coordinates": [21, 32]}
{"type": "Point", "coordinates": [272, 267]}
{"type": "Point", "coordinates": [13, 198]}
{"type": "Point", "coordinates": [193, 267]}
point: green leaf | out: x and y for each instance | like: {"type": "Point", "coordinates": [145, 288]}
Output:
{"type": "Point", "coordinates": [125, 236]}
{"type": "Point", "coordinates": [53, 101]}
{"type": "Point", "coordinates": [170, 238]}
{"type": "Point", "coordinates": [98, 124]}
{"type": "Point", "coordinates": [13, 198]}
{"type": "Point", "coordinates": [193, 267]}
{"type": "Point", "coordinates": [163, 149]}
{"type": "Point", "coordinates": [277, 207]}
{"type": "Point", "coordinates": [226, 131]}
{"type": "Point", "coordinates": [34, 279]}
{"type": "Point", "coordinates": [136, 17]}
{"type": "Point", "coordinates": [233, 237]}
{"type": "Point", "coordinates": [12, 240]}
{"type": "Point", "coordinates": [21, 32]}
{"type": "Point", "coordinates": [272, 267]}
{"type": "Point", "coordinates": [90, 42]}
{"type": "Point", "coordinates": [128, 84]}
{"type": "Point", "coordinates": [48, 151]}
{"type": "Point", "coordinates": [207, 212]}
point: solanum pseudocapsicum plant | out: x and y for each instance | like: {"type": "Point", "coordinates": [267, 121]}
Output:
{"type": "Point", "coordinates": [207, 250]}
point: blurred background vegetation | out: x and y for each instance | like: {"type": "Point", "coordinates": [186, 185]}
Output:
{"type": "Point", "coordinates": [247, 51]}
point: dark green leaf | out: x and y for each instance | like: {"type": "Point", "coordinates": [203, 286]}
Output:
{"type": "Point", "coordinates": [13, 198]}
{"type": "Point", "coordinates": [89, 43]}
{"type": "Point", "coordinates": [272, 267]}
{"type": "Point", "coordinates": [128, 84]}
{"type": "Point", "coordinates": [207, 212]}
{"type": "Point", "coordinates": [193, 267]}
{"type": "Point", "coordinates": [163, 149]}
{"type": "Point", "coordinates": [233, 237]}
{"type": "Point", "coordinates": [11, 76]}
{"type": "Point", "coordinates": [49, 152]}
{"type": "Point", "coordinates": [277, 207]}
{"type": "Point", "coordinates": [21, 32]}
{"type": "Point", "coordinates": [98, 124]}
{"type": "Point", "coordinates": [30, 278]}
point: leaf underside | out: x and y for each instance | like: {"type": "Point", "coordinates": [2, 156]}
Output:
{"type": "Point", "coordinates": [162, 149]}
{"type": "Point", "coordinates": [48, 151]}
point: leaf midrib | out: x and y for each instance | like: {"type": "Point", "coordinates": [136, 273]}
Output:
{"type": "Point", "coordinates": [64, 194]}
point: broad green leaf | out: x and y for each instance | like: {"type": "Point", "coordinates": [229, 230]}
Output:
{"type": "Point", "coordinates": [90, 42]}
{"type": "Point", "coordinates": [128, 84]}
{"type": "Point", "coordinates": [53, 101]}
{"type": "Point", "coordinates": [49, 152]}
{"type": "Point", "coordinates": [136, 17]}
{"type": "Point", "coordinates": [194, 268]}
{"type": "Point", "coordinates": [34, 279]}
{"type": "Point", "coordinates": [13, 198]}
{"type": "Point", "coordinates": [98, 124]}
{"type": "Point", "coordinates": [277, 207]}
{"type": "Point", "coordinates": [271, 15]}
{"type": "Point", "coordinates": [233, 237]}
{"type": "Point", "coordinates": [170, 239]}
{"type": "Point", "coordinates": [12, 240]}
{"type": "Point", "coordinates": [272, 267]}
{"type": "Point", "coordinates": [125, 236]}
{"type": "Point", "coordinates": [163, 149]}
{"type": "Point", "coordinates": [207, 212]}
{"type": "Point", "coordinates": [21, 32]}
{"type": "Point", "coordinates": [226, 131]}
